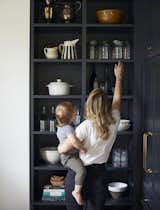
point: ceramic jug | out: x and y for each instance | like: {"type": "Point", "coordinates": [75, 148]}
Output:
{"type": "Point", "coordinates": [68, 49]}
{"type": "Point", "coordinates": [51, 52]}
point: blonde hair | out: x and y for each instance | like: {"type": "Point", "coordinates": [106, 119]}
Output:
{"type": "Point", "coordinates": [98, 111]}
{"type": "Point", "coordinates": [65, 113]}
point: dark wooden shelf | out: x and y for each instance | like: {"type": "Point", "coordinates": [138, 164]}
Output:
{"type": "Point", "coordinates": [44, 60]}
{"type": "Point", "coordinates": [54, 133]}
{"type": "Point", "coordinates": [55, 167]}
{"type": "Point", "coordinates": [109, 61]}
{"type": "Point", "coordinates": [125, 133]}
{"type": "Point", "coordinates": [59, 167]}
{"type": "Point", "coordinates": [109, 202]}
{"type": "Point", "coordinates": [53, 25]}
{"type": "Point", "coordinates": [97, 25]}
{"type": "Point", "coordinates": [43, 133]}
{"type": "Point", "coordinates": [57, 97]}
{"type": "Point", "coordinates": [124, 97]}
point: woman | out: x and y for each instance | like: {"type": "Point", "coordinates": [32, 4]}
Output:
{"type": "Point", "coordinates": [98, 132]}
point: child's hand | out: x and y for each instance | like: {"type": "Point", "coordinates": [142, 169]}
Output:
{"type": "Point", "coordinates": [119, 70]}
{"type": "Point", "coordinates": [83, 151]}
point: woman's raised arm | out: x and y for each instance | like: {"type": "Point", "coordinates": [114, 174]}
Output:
{"type": "Point", "coordinates": [118, 71]}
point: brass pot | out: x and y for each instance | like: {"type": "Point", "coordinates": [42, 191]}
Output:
{"type": "Point", "coordinates": [109, 16]}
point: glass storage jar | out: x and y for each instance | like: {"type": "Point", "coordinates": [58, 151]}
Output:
{"type": "Point", "coordinates": [117, 50]}
{"type": "Point", "coordinates": [126, 50]}
{"type": "Point", "coordinates": [100, 50]}
{"type": "Point", "coordinates": [93, 49]}
{"type": "Point", "coordinates": [105, 50]}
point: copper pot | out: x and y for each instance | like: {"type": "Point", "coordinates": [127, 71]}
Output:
{"type": "Point", "coordinates": [109, 16]}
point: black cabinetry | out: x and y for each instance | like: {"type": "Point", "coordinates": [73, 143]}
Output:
{"type": "Point", "coordinates": [77, 72]}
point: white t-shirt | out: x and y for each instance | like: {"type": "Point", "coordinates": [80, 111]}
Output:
{"type": "Point", "coordinates": [98, 150]}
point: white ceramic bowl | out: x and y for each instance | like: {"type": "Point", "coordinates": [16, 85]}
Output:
{"type": "Point", "coordinates": [117, 186]}
{"type": "Point", "coordinates": [124, 125]}
{"type": "Point", "coordinates": [50, 155]}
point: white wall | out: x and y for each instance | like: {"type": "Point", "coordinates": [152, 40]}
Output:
{"type": "Point", "coordinates": [14, 105]}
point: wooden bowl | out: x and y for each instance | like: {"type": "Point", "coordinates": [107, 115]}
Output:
{"type": "Point", "coordinates": [109, 16]}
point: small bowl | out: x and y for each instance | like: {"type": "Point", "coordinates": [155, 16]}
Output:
{"type": "Point", "coordinates": [50, 155]}
{"type": "Point", "coordinates": [109, 16]}
{"type": "Point", "coordinates": [117, 189]}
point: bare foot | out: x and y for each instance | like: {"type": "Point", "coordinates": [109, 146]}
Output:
{"type": "Point", "coordinates": [78, 197]}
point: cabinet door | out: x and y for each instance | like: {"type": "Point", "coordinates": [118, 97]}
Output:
{"type": "Point", "coordinates": [151, 21]}
{"type": "Point", "coordinates": [151, 126]}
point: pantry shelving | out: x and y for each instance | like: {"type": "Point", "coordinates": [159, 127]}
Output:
{"type": "Point", "coordinates": [77, 72]}
{"type": "Point", "coordinates": [109, 202]}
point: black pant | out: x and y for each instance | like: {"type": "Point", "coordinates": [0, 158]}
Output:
{"type": "Point", "coordinates": [94, 189]}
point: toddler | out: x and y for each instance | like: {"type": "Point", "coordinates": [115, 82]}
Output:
{"type": "Point", "coordinates": [65, 115]}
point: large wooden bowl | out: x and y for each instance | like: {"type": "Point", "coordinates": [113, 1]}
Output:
{"type": "Point", "coordinates": [109, 16]}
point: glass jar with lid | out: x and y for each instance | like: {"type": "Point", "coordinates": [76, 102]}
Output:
{"type": "Point", "coordinates": [117, 49]}
{"type": "Point", "coordinates": [93, 49]}
{"type": "Point", "coordinates": [126, 50]}
{"type": "Point", "coordinates": [100, 50]}
{"type": "Point", "coordinates": [105, 50]}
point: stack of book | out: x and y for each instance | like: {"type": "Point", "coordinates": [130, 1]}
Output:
{"type": "Point", "coordinates": [51, 193]}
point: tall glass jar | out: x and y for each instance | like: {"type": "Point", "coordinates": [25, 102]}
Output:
{"type": "Point", "coordinates": [126, 50]}
{"type": "Point", "coordinates": [117, 50]}
{"type": "Point", "coordinates": [105, 50]}
{"type": "Point", "coordinates": [100, 50]}
{"type": "Point", "coordinates": [93, 49]}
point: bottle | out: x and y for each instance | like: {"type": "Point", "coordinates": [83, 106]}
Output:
{"type": "Point", "coordinates": [43, 119]}
{"type": "Point", "coordinates": [78, 118]}
{"type": "Point", "coordinates": [52, 120]}
{"type": "Point", "coordinates": [108, 82]}
{"type": "Point", "coordinates": [92, 79]}
{"type": "Point", "coordinates": [95, 84]}
{"type": "Point", "coordinates": [116, 158]}
{"type": "Point", "coordinates": [124, 158]}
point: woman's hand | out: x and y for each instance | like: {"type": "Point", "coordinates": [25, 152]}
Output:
{"type": "Point", "coordinates": [119, 70]}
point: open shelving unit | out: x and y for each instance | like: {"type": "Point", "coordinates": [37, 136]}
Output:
{"type": "Point", "coordinates": [77, 72]}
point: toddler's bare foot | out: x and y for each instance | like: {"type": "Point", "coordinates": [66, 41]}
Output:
{"type": "Point", "coordinates": [78, 197]}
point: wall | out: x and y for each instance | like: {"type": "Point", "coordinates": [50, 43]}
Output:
{"type": "Point", "coordinates": [14, 105]}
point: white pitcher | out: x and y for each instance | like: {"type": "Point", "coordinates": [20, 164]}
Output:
{"type": "Point", "coordinates": [68, 49]}
{"type": "Point", "coordinates": [51, 52]}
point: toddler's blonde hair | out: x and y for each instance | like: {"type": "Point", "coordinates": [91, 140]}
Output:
{"type": "Point", "coordinates": [65, 113]}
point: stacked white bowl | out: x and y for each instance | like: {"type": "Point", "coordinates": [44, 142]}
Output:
{"type": "Point", "coordinates": [124, 125]}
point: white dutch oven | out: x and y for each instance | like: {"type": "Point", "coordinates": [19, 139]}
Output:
{"type": "Point", "coordinates": [59, 88]}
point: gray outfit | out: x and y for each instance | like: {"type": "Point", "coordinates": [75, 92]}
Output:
{"type": "Point", "coordinates": [71, 159]}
